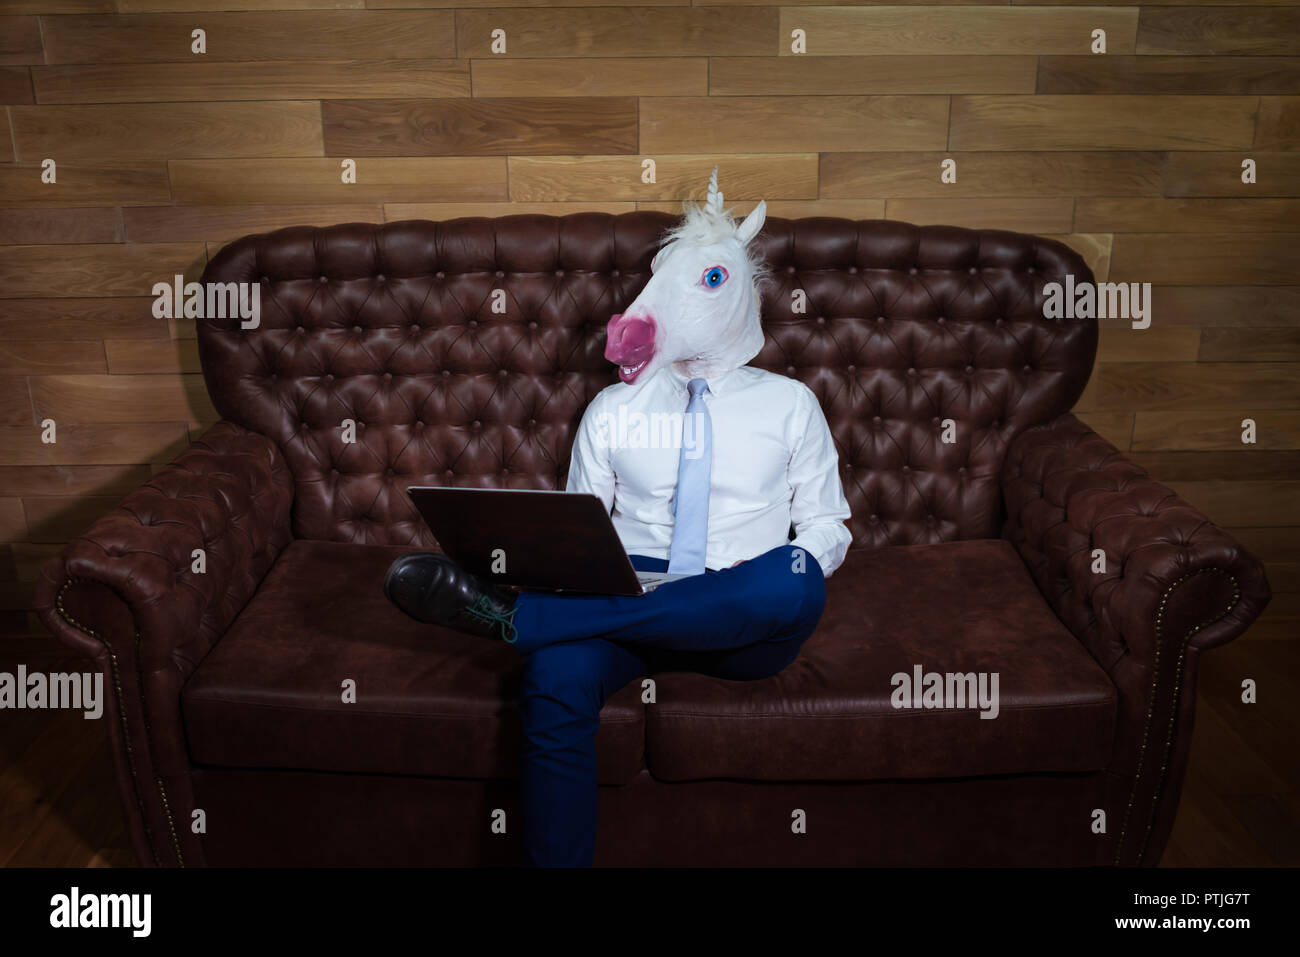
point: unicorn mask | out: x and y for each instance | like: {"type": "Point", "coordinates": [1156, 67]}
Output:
{"type": "Point", "coordinates": [700, 309]}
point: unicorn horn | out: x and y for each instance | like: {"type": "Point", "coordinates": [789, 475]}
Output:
{"type": "Point", "coordinates": [715, 198]}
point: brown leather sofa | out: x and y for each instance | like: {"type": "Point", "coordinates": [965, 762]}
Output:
{"type": "Point", "coordinates": [970, 556]}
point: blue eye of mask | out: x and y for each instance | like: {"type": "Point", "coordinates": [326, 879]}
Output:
{"type": "Point", "coordinates": [714, 277]}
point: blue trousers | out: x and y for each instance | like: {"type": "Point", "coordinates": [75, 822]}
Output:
{"type": "Point", "coordinates": [741, 623]}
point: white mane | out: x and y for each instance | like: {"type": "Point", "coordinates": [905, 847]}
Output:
{"type": "Point", "coordinates": [708, 223]}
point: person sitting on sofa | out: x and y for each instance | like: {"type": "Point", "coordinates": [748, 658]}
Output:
{"type": "Point", "coordinates": [718, 509]}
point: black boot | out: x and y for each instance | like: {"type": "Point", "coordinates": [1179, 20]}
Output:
{"type": "Point", "coordinates": [432, 588]}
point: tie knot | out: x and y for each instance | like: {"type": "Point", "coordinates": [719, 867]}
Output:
{"type": "Point", "coordinates": [698, 386]}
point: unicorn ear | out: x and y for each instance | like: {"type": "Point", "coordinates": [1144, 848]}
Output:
{"type": "Point", "coordinates": [752, 224]}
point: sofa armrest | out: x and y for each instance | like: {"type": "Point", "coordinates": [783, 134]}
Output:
{"type": "Point", "coordinates": [1173, 584]}
{"type": "Point", "coordinates": [126, 593]}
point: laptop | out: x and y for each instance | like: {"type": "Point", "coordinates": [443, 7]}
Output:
{"type": "Point", "coordinates": [558, 541]}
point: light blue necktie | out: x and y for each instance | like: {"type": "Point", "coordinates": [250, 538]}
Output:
{"type": "Point", "coordinates": [691, 503]}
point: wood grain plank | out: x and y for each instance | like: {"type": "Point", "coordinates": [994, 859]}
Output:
{"type": "Point", "coordinates": [161, 224]}
{"type": "Point", "coordinates": [1253, 465]}
{"type": "Point", "coordinates": [1242, 503]}
{"type": "Point", "coordinates": [1167, 74]}
{"type": "Point", "coordinates": [128, 443]}
{"type": "Point", "coordinates": [317, 181]}
{"type": "Point", "coordinates": [1093, 247]}
{"type": "Point", "coordinates": [1250, 345]}
{"type": "Point", "coordinates": [1249, 388]}
{"type": "Point", "coordinates": [591, 76]}
{"type": "Point", "coordinates": [1186, 258]}
{"type": "Point", "coordinates": [1195, 173]}
{"type": "Point", "coordinates": [394, 212]}
{"type": "Point", "coordinates": [57, 518]}
{"type": "Point", "coordinates": [1279, 123]}
{"type": "Point", "coordinates": [32, 480]}
{"type": "Point", "coordinates": [1115, 427]}
{"type": "Point", "coordinates": [1236, 306]}
{"type": "Point", "coordinates": [791, 208]}
{"type": "Point", "coordinates": [127, 356]}
{"type": "Point", "coordinates": [28, 560]}
{"type": "Point", "coordinates": [85, 184]}
{"type": "Point", "coordinates": [59, 6]}
{"type": "Point", "coordinates": [131, 131]}
{"type": "Point", "coordinates": [480, 126]}
{"type": "Point", "coordinates": [7, 154]}
{"type": "Point", "coordinates": [791, 124]}
{"type": "Point", "coordinates": [1102, 122]}
{"type": "Point", "coordinates": [902, 73]}
{"type": "Point", "coordinates": [1222, 31]}
{"type": "Point", "coordinates": [15, 84]}
{"type": "Point", "coordinates": [13, 521]}
{"type": "Point", "coordinates": [95, 270]}
{"type": "Point", "coordinates": [741, 176]}
{"type": "Point", "coordinates": [168, 6]}
{"type": "Point", "coordinates": [843, 31]}
{"type": "Point", "coordinates": [101, 224]}
{"type": "Point", "coordinates": [618, 32]}
{"type": "Point", "coordinates": [1270, 543]}
{"type": "Point", "coordinates": [1050, 215]}
{"type": "Point", "coordinates": [41, 357]}
{"type": "Point", "coordinates": [991, 174]}
{"type": "Point", "coordinates": [1178, 430]}
{"type": "Point", "coordinates": [270, 80]}
{"type": "Point", "coordinates": [94, 399]}
{"type": "Point", "coordinates": [251, 36]}
{"type": "Point", "coordinates": [1130, 215]}
{"type": "Point", "coordinates": [20, 40]}
{"type": "Point", "coordinates": [15, 402]}
{"type": "Point", "coordinates": [64, 319]}
{"type": "Point", "coordinates": [1148, 345]}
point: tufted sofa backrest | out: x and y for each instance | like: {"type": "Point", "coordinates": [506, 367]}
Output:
{"type": "Point", "coordinates": [907, 334]}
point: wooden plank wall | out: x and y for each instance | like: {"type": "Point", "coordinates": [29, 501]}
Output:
{"type": "Point", "coordinates": [1134, 157]}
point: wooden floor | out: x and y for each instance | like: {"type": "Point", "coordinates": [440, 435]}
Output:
{"type": "Point", "coordinates": [1240, 805]}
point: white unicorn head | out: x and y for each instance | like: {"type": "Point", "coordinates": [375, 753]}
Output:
{"type": "Point", "coordinates": [700, 309]}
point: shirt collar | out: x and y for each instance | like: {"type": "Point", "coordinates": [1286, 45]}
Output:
{"type": "Point", "coordinates": [717, 384]}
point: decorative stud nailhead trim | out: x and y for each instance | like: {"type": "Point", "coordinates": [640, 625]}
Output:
{"type": "Point", "coordinates": [1173, 706]}
{"type": "Point", "coordinates": [121, 710]}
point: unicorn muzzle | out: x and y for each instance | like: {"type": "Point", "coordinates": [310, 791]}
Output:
{"type": "Point", "coordinates": [630, 344]}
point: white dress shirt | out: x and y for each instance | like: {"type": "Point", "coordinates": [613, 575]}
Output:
{"type": "Point", "coordinates": [774, 465]}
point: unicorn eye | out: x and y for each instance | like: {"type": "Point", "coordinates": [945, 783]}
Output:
{"type": "Point", "coordinates": [713, 277]}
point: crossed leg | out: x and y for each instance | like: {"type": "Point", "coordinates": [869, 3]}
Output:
{"type": "Point", "coordinates": [740, 623]}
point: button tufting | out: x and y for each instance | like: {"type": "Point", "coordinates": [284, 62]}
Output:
{"type": "Point", "coordinates": [907, 468]}
{"type": "Point", "coordinates": [329, 377]}
{"type": "Point", "coordinates": [446, 373]}
{"type": "Point", "coordinates": [821, 320]}
{"type": "Point", "coordinates": [357, 330]}
{"type": "Point", "coordinates": [532, 422]}
{"type": "Point", "coordinates": [970, 369]}
{"type": "Point", "coordinates": [790, 370]}
{"type": "Point", "coordinates": [324, 279]}
{"type": "Point", "coordinates": [300, 329]}
{"type": "Point", "coordinates": [876, 419]}
{"type": "Point", "coordinates": [913, 271]}
{"type": "Point", "coordinates": [973, 270]}
{"type": "Point", "coordinates": [473, 323]}
{"type": "Point", "coordinates": [440, 274]}
{"type": "Point", "coordinates": [615, 273]}
{"type": "Point", "coordinates": [379, 278]}
{"type": "Point", "coordinates": [499, 273]}
{"type": "Point", "coordinates": [502, 373]}
{"type": "Point", "coordinates": [559, 272]}
{"type": "Point", "coordinates": [419, 423]}
{"type": "Point", "coordinates": [532, 325]}
{"type": "Point", "coordinates": [387, 376]}
{"type": "Point", "coordinates": [478, 424]}
{"type": "Point", "coordinates": [880, 318]}
{"type": "Point", "coordinates": [415, 327]}
{"type": "Point", "coordinates": [852, 368]}
{"type": "Point", "coordinates": [911, 370]}
{"type": "Point", "coordinates": [449, 473]}
{"type": "Point", "coordinates": [940, 320]}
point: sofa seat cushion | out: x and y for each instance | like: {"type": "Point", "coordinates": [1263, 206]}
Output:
{"type": "Point", "coordinates": [429, 701]}
{"type": "Point", "coordinates": [951, 608]}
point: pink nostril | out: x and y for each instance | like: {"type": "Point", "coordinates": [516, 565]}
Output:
{"type": "Point", "coordinates": [629, 339]}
